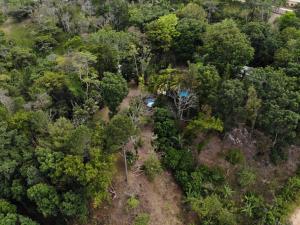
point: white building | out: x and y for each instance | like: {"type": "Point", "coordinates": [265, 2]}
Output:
{"type": "Point", "coordinates": [293, 3]}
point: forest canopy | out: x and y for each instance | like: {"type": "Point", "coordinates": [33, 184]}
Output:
{"type": "Point", "coordinates": [209, 67]}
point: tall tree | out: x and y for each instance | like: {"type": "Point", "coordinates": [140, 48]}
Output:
{"type": "Point", "coordinates": [253, 105]}
{"type": "Point", "coordinates": [225, 46]}
{"type": "Point", "coordinates": [162, 31]}
{"type": "Point", "coordinates": [113, 89]}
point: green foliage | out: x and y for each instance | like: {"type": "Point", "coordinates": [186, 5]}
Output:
{"type": "Point", "coordinates": [45, 197]}
{"type": "Point", "coordinates": [289, 19]}
{"type": "Point", "coordinates": [131, 158]}
{"type": "Point", "coordinates": [71, 205]}
{"type": "Point", "coordinates": [211, 209]}
{"type": "Point", "coordinates": [142, 219]}
{"type": "Point", "coordinates": [44, 44]}
{"type": "Point", "coordinates": [246, 177]}
{"type": "Point", "coordinates": [208, 83]}
{"type": "Point", "coordinates": [278, 114]}
{"type": "Point", "coordinates": [264, 40]}
{"type": "Point", "coordinates": [6, 207]}
{"type": "Point", "coordinates": [192, 11]}
{"type": "Point", "coordinates": [113, 49]}
{"type": "Point", "coordinates": [152, 167]}
{"type": "Point", "coordinates": [23, 57]}
{"type": "Point", "coordinates": [189, 38]}
{"type": "Point", "coordinates": [132, 203]}
{"type": "Point", "coordinates": [118, 132]}
{"type": "Point", "coordinates": [162, 31]}
{"type": "Point", "coordinates": [113, 90]}
{"type": "Point", "coordinates": [235, 156]}
{"type": "Point", "coordinates": [231, 101]}
{"type": "Point", "coordinates": [205, 123]}
{"type": "Point", "coordinates": [225, 46]}
{"type": "Point", "coordinates": [62, 61]}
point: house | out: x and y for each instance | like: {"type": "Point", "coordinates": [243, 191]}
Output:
{"type": "Point", "coordinates": [293, 3]}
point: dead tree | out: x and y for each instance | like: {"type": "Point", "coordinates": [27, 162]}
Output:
{"type": "Point", "coordinates": [183, 102]}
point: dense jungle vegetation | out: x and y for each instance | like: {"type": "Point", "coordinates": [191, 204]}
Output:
{"type": "Point", "coordinates": [212, 66]}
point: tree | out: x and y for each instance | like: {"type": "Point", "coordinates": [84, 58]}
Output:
{"type": "Point", "coordinates": [44, 43]}
{"type": "Point", "coordinates": [72, 205]}
{"type": "Point", "coordinates": [162, 31]}
{"type": "Point", "coordinates": [6, 207]}
{"type": "Point", "coordinates": [205, 123]}
{"type": "Point", "coordinates": [113, 50]}
{"type": "Point", "coordinates": [45, 197]}
{"type": "Point", "coordinates": [23, 57]}
{"type": "Point", "coordinates": [81, 64]}
{"type": "Point", "coordinates": [118, 132]}
{"type": "Point", "coordinates": [113, 89]}
{"type": "Point", "coordinates": [279, 110]}
{"type": "Point", "coordinates": [264, 40]}
{"type": "Point", "coordinates": [225, 46]}
{"type": "Point", "coordinates": [192, 11]}
{"type": "Point", "coordinates": [253, 105]}
{"type": "Point", "coordinates": [289, 19]}
{"type": "Point", "coordinates": [208, 83]}
{"type": "Point", "coordinates": [231, 101]}
{"type": "Point", "coordinates": [189, 38]}
{"type": "Point", "coordinates": [183, 100]}
{"type": "Point", "coordinates": [288, 54]}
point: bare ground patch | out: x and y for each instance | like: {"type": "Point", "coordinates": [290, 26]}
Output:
{"type": "Point", "coordinates": [161, 199]}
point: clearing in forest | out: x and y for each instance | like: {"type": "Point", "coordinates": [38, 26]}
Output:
{"type": "Point", "coordinates": [161, 198]}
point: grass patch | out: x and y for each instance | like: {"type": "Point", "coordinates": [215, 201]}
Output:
{"type": "Point", "coordinates": [132, 203]}
{"type": "Point", "coordinates": [21, 33]}
{"type": "Point", "coordinates": [235, 156]}
{"type": "Point", "coordinates": [142, 219]}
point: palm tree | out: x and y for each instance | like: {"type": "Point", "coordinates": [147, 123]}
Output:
{"type": "Point", "coordinates": [212, 7]}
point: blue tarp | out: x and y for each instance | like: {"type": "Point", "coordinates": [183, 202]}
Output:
{"type": "Point", "coordinates": [150, 102]}
{"type": "Point", "coordinates": [184, 94]}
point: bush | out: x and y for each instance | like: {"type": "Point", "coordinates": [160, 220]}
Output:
{"type": "Point", "coordinates": [246, 177]}
{"type": "Point", "coordinates": [235, 156]}
{"type": "Point", "coordinates": [131, 158]}
{"type": "Point", "coordinates": [2, 18]}
{"type": "Point", "coordinates": [152, 167]}
{"type": "Point", "coordinates": [142, 219]}
{"type": "Point", "coordinates": [132, 203]}
{"type": "Point", "coordinates": [179, 159]}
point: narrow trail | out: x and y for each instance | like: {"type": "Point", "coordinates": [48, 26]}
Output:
{"type": "Point", "coordinates": [295, 217]}
{"type": "Point", "coordinates": [161, 199]}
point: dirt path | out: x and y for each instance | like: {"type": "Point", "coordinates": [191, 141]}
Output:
{"type": "Point", "coordinates": [161, 199]}
{"type": "Point", "coordinates": [295, 218]}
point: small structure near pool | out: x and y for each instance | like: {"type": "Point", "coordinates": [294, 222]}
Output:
{"type": "Point", "coordinates": [184, 94]}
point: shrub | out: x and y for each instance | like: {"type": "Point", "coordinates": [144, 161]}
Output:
{"type": "Point", "coordinates": [235, 156]}
{"type": "Point", "coordinates": [152, 167]}
{"type": "Point", "coordinates": [246, 177]}
{"type": "Point", "coordinates": [142, 219]}
{"type": "Point", "coordinates": [131, 158]}
{"type": "Point", "coordinates": [132, 203]}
